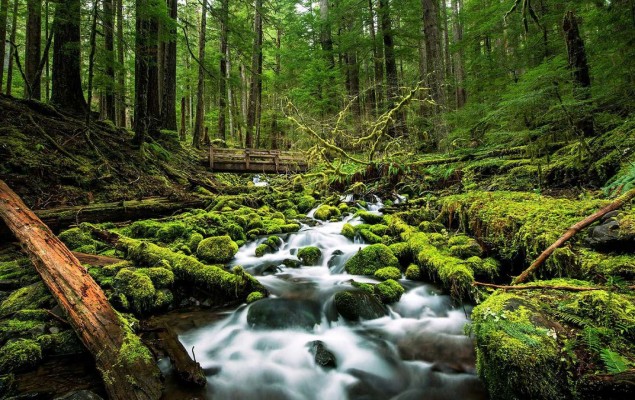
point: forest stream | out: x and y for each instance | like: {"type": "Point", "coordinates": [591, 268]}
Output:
{"type": "Point", "coordinates": [294, 345]}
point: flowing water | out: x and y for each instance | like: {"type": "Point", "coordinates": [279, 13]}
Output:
{"type": "Point", "coordinates": [417, 351]}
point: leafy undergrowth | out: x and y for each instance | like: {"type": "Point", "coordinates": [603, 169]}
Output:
{"type": "Point", "coordinates": [50, 159]}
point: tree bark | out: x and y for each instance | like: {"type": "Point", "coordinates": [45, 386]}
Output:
{"type": "Point", "coordinates": [109, 47]}
{"type": "Point", "coordinates": [377, 88]}
{"type": "Point", "coordinates": [326, 39]}
{"type": "Point", "coordinates": [121, 74]}
{"type": "Point", "coordinates": [168, 103]}
{"type": "Point", "coordinates": [66, 92]}
{"type": "Point", "coordinates": [434, 55]}
{"type": "Point", "coordinates": [32, 89]}
{"type": "Point", "coordinates": [580, 68]}
{"type": "Point", "coordinates": [91, 60]}
{"type": "Point", "coordinates": [197, 136]}
{"type": "Point", "coordinates": [459, 69]}
{"type": "Point", "coordinates": [154, 95]}
{"type": "Point", "coordinates": [182, 131]}
{"type": "Point", "coordinates": [4, 16]}
{"type": "Point", "coordinates": [222, 78]}
{"type": "Point", "coordinates": [142, 70]}
{"type": "Point", "coordinates": [256, 77]}
{"type": "Point", "coordinates": [398, 128]}
{"type": "Point", "coordinates": [625, 198]}
{"type": "Point", "coordinates": [126, 374]}
{"type": "Point", "coordinates": [14, 22]}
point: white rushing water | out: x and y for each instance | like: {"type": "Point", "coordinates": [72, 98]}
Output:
{"type": "Point", "coordinates": [417, 351]}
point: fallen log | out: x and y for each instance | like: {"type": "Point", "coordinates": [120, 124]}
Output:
{"type": "Point", "coordinates": [59, 218]}
{"type": "Point", "coordinates": [126, 366]}
{"type": "Point", "coordinates": [95, 260]}
{"type": "Point", "coordinates": [188, 371]}
{"type": "Point", "coordinates": [618, 203]}
{"type": "Point", "coordinates": [538, 287]}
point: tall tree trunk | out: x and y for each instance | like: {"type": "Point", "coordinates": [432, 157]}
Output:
{"type": "Point", "coordinates": [91, 60]}
{"type": "Point", "coordinates": [580, 68]}
{"type": "Point", "coordinates": [14, 22]}
{"type": "Point", "coordinates": [154, 95]}
{"type": "Point", "coordinates": [4, 16]}
{"type": "Point", "coordinates": [182, 131]}
{"type": "Point", "coordinates": [47, 68]}
{"type": "Point", "coordinates": [197, 136]}
{"type": "Point", "coordinates": [256, 77]}
{"type": "Point", "coordinates": [378, 61]}
{"type": "Point", "coordinates": [66, 90]}
{"type": "Point", "coordinates": [398, 128]}
{"type": "Point", "coordinates": [230, 102]}
{"type": "Point", "coordinates": [142, 70]}
{"type": "Point", "coordinates": [168, 103]}
{"type": "Point", "coordinates": [122, 71]}
{"type": "Point", "coordinates": [109, 41]}
{"type": "Point", "coordinates": [326, 39]}
{"type": "Point", "coordinates": [222, 79]}
{"type": "Point", "coordinates": [434, 56]}
{"type": "Point", "coordinates": [33, 86]}
{"type": "Point", "coordinates": [459, 69]}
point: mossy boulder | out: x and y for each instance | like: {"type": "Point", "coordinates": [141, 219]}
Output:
{"type": "Point", "coordinates": [19, 355]}
{"type": "Point", "coordinates": [262, 249]}
{"type": "Point", "coordinates": [254, 296]}
{"type": "Point", "coordinates": [171, 231]}
{"type": "Point", "coordinates": [217, 249]}
{"type": "Point", "coordinates": [354, 305]}
{"type": "Point", "coordinates": [160, 277]}
{"type": "Point", "coordinates": [76, 238]}
{"type": "Point", "coordinates": [401, 250]}
{"type": "Point", "coordinates": [388, 273]}
{"type": "Point", "coordinates": [281, 313]}
{"type": "Point", "coordinates": [371, 258]}
{"type": "Point", "coordinates": [138, 289]}
{"type": "Point", "coordinates": [29, 297]}
{"type": "Point", "coordinates": [389, 291]}
{"type": "Point", "coordinates": [369, 236]}
{"type": "Point", "coordinates": [305, 204]}
{"type": "Point", "coordinates": [370, 218]}
{"type": "Point", "coordinates": [309, 255]}
{"type": "Point", "coordinates": [348, 230]}
{"type": "Point", "coordinates": [464, 247]}
{"type": "Point", "coordinates": [326, 212]}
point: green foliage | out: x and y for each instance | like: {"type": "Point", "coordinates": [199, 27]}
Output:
{"type": "Point", "coordinates": [614, 362]}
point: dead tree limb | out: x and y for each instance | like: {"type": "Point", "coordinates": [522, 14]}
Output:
{"type": "Point", "coordinates": [618, 203]}
{"type": "Point", "coordinates": [127, 368]}
{"type": "Point", "coordinates": [537, 287]}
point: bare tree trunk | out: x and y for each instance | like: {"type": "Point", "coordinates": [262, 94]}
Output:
{"type": "Point", "coordinates": [14, 22]}
{"type": "Point", "coordinates": [121, 74]}
{"type": "Point", "coordinates": [33, 51]}
{"type": "Point", "coordinates": [230, 102]}
{"type": "Point", "coordinates": [4, 15]}
{"type": "Point", "coordinates": [154, 95]}
{"type": "Point", "coordinates": [578, 64]}
{"type": "Point", "coordinates": [109, 47]}
{"type": "Point", "coordinates": [142, 79]}
{"type": "Point", "coordinates": [128, 370]}
{"type": "Point", "coordinates": [47, 69]}
{"type": "Point", "coordinates": [91, 61]}
{"type": "Point", "coordinates": [256, 78]}
{"type": "Point", "coordinates": [168, 103]}
{"type": "Point", "coordinates": [66, 91]}
{"type": "Point", "coordinates": [377, 90]}
{"type": "Point", "coordinates": [398, 128]}
{"type": "Point", "coordinates": [434, 55]}
{"type": "Point", "coordinates": [222, 79]}
{"type": "Point", "coordinates": [197, 136]}
{"type": "Point", "coordinates": [459, 70]}
{"type": "Point", "coordinates": [326, 39]}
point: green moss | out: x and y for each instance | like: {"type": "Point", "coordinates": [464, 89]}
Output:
{"type": "Point", "coordinates": [29, 297]}
{"type": "Point", "coordinates": [235, 232]}
{"type": "Point", "coordinates": [343, 207]}
{"type": "Point", "coordinates": [262, 249]}
{"type": "Point", "coordinates": [370, 218]}
{"type": "Point", "coordinates": [593, 263]}
{"type": "Point", "coordinates": [428, 226]}
{"type": "Point", "coordinates": [62, 343]}
{"type": "Point", "coordinates": [511, 346]}
{"type": "Point", "coordinates": [369, 236]}
{"type": "Point", "coordinates": [398, 227]}
{"type": "Point", "coordinates": [366, 287]}
{"type": "Point", "coordinates": [309, 255]}
{"type": "Point", "coordinates": [138, 289]}
{"type": "Point", "coordinates": [254, 296]}
{"type": "Point", "coordinates": [19, 355]}
{"type": "Point", "coordinates": [413, 272]}
{"type": "Point", "coordinates": [144, 229]}
{"type": "Point", "coordinates": [171, 231]}
{"type": "Point", "coordinates": [402, 251]}
{"type": "Point", "coordinates": [388, 273]}
{"type": "Point", "coordinates": [389, 291]}
{"type": "Point", "coordinates": [17, 328]}
{"type": "Point", "coordinates": [274, 242]}
{"type": "Point", "coordinates": [160, 277]}
{"type": "Point", "coordinates": [75, 238]}
{"type": "Point", "coordinates": [326, 212]}
{"type": "Point", "coordinates": [348, 230]}
{"type": "Point", "coordinates": [371, 258]}
{"type": "Point", "coordinates": [218, 249]}
{"type": "Point", "coordinates": [305, 204]}
{"type": "Point", "coordinates": [484, 267]}
{"type": "Point", "coordinates": [464, 247]}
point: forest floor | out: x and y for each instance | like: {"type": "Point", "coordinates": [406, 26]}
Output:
{"type": "Point", "coordinates": [472, 215]}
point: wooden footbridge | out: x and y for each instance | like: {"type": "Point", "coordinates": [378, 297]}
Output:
{"type": "Point", "coordinates": [256, 160]}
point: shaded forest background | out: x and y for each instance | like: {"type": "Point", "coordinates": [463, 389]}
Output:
{"type": "Point", "coordinates": [235, 70]}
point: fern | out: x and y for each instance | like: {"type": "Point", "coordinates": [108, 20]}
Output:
{"type": "Point", "coordinates": [593, 339]}
{"type": "Point", "coordinates": [614, 362]}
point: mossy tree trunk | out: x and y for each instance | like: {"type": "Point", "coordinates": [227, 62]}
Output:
{"type": "Point", "coordinates": [127, 368]}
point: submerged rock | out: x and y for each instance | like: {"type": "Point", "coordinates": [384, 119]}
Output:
{"type": "Point", "coordinates": [323, 357]}
{"type": "Point", "coordinates": [354, 305]}
{"type": "Point", "coordinates": [283, 314]}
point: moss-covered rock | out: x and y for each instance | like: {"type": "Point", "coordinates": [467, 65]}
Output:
{"type": "Point", "coordinates": [171, 231]}
{"type": "Point", "coordinates": [371, 258]}
{"type": "Point", "coordinates": [326, 212]}
{"type": "Point", "coordinates": [309, 255]}
{"type": "Point", "coordinates": [76, 238]}
{"type": "Point", "coordinates": [138, 289]}
{"type": "Point", "coordinates": [254, 296]}
{"type": "Point", "coordinates": [305, 203]}
{"type": "Point", "coordinates": [19, 355]}
{"type": "Point", "coordinates": [354, 305]}
{"type": "Point", "coordinates": [61, 343]}
{"type": "Point", "coordinates": [29, 297]}
{"type": "Point", "coordinates": [389, 291]}
{"type": "Point", "coordinates": [401, 250]}
{"type": "Point", "coordinates": [348, 230]}
{"type": "Point", "coordinates": [464, 247]}
{"type": "Point", "coordinates": [369, 236]}
{"type": "Point", "coordinates": [370, 218]}
{"type": "Point", "coordinates": [262, 249]}
{"type": "Point", "coordinates": [388, 273]}
{"type": "Point", "coordinates": [160, 277]}
{"type": "Point", "coordinates": [413, 272]}
{"type": "Point", "coordinates": [217, 249]}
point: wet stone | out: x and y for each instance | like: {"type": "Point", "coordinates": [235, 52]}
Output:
{"type": "Point", "coordinates": [323, 357]}
{"type": "Point", "coordinates": [283, 314]}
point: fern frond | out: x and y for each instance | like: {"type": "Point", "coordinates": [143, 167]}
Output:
{"type": "Point", "coordinates": [614, 362]}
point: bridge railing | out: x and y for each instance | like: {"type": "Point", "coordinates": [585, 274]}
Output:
{"type": "Point", "coordinates": [255, 160]}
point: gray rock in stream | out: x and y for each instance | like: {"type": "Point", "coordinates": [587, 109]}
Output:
{"type": "Point", "coordinates": [283, 314]}
{"type": "Point", "coordinates": [354, 305]}
{"type": "Point", "coordinates": [323, 357]}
